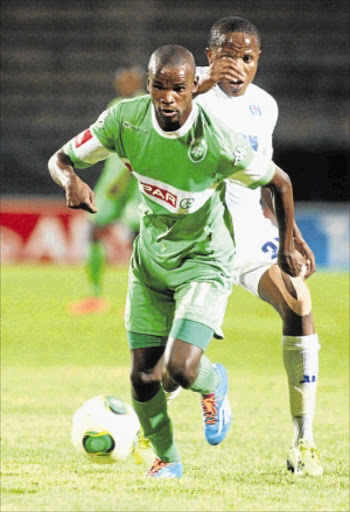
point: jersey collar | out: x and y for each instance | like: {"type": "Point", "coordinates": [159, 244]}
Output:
{"type": "Point", "coordinates": [181, 131]}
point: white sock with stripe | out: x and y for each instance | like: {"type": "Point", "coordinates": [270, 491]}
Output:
{"type": "Point", "coordinates": [300, 357]}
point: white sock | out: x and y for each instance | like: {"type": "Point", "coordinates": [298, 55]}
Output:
{"type": "Point", "coordinates": [300, 357]}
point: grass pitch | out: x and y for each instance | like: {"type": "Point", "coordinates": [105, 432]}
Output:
{"type": "Point", "coordinates": [52, 362]}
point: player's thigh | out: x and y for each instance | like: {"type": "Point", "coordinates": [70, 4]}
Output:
{"type": "Point", "coordinates": [148, 314]}
{"type": "Point", "coordinates": [203, 304]}
{"type": "Point", "coordinates": [255, 254]}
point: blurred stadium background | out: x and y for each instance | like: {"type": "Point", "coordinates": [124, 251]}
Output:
{"type": "Point", "coordinates": [58, 62]}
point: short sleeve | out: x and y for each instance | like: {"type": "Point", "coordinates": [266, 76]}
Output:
{"type": "Point", "coordinates": [241, 165]}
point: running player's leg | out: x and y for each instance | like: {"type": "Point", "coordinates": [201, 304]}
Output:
{"type": "Point", "coordinates": [180, 319]}
{"type": "Point", "coordinates": [111, 196]}
{"type": "Point", "coordinates": [110, 206]}
{"type": "Point", "coordinates": [257, 271]}
{"type": "Point", "coordinates": [291, 299]}
{"type": "Point", "coordinates": [148, 317]}
{"type": "Point", "coordinates": [199, 313]}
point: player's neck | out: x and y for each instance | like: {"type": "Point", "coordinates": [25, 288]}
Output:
{"type": "Point", "coordinates": [182, 130]}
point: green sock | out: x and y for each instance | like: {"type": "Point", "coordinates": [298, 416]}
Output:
{"type": "Point", "coordinates": [157, 426]}
{"type": "Point", "coordinates": [207, 380]}
{"type": "Point", "coordinates": [95, 266]}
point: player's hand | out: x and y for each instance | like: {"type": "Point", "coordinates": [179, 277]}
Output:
{"type": "Point", "coordinates": [224, 68]}
{"type": "Point", "coordinates": [291, 262]}
{"type": "Point", "coordinates": [308, 255]}
{"type": "Point", "coordinates": [79, 195]}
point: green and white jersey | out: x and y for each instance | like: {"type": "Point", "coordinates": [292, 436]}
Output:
{"type": "Point", "coordinates": [178, 174]}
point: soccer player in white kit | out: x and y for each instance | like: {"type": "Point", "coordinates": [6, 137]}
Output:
{"type": "Point", "coordinates": [233, 53]}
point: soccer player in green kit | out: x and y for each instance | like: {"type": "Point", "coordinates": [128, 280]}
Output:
{"type": "Point", "coordinates": [117, 198]}
{"type": "Point", "coordinates": [181, 268]}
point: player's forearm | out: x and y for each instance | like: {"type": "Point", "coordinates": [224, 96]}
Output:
{"type": "Point", "coordinates": [283, 207]}
{"type": "Point", "coordinates": [266, 196]}
{"type": "Point", "coordinates": [297, 232]}
{"type": "Point", "coordinates": [61, 168]}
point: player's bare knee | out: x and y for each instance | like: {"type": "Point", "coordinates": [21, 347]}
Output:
{"type": "Point", "coordinates": [182, 372]}
{"type": "Point", "coordinates": [301, 304]}
{"type": "Point", "coordinates": [285, 293]}
{"type": "Point", "coordinates": [169, 385]}
{"type": "Point", "coordinates": [140, 379]}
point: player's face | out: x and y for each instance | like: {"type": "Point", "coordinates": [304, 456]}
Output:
{"type": "Point", "coordinates": [172, 90]}
{"type": "Point", "coordinates": [245, 51]}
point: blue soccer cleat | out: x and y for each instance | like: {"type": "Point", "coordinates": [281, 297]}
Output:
{"type": "Point", "coordinates": [217, 415]}
{"type": "Point", "coordinates": [160, 469]}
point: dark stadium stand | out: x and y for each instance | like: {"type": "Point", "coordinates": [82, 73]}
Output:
{"type": "Point", "coordinates": [58, 59]}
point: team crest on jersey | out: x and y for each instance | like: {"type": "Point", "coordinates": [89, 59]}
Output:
{"type": "Point", "coordinates": [255, 110]}
{"type": "Point", "coordinates": [197, 150]}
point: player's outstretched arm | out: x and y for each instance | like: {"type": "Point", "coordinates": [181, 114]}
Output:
{"type": "Point", "coordinates": [299, 242]}
{"type": "Point", "coordinates": [289, 259]}
{"type": "Point", "coordinates": [78, 193]}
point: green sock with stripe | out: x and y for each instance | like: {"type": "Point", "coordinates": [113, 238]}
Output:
{"type": "Point", "coordinates": [207, 380]}
{"type": "Point", "coordinates": [157, 426]}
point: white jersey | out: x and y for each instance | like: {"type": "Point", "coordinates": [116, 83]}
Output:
{"type": "Point", "coordinates": [254, 116]}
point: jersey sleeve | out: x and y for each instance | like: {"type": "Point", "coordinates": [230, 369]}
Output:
{"type": "Point", "coordinates": [241, 165]}
{"type": "Point", "coordinates": [97, 142]}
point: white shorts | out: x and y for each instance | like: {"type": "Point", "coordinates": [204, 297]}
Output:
{"type": "Point", "coordinates": [256, 252]}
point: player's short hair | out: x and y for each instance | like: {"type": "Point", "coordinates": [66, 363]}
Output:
{"type": "Point", "coordinates": [231, 24]}
{"type": "Point", "coordinates": [171, 55]}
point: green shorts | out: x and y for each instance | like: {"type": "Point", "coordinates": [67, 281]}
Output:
{"type": "Point", "coordinates": [160, 300]}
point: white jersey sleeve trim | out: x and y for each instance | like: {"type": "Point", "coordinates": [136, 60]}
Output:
{"type": "Point", "coordinates": [88, 148]}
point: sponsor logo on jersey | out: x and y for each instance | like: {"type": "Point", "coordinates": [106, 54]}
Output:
{"type": "Point", "coordinates": [255, 110]}
{"type": "Point", "coordinates": [134, 128]}
{"type": "Point", "coordinates": [197, 150]}
{"type": "Point", "coordinates": [159, 193]}
{"type": "Point", "coordinates": [82, 137]}
{"type": "Point", "coordinates": [171, 198]}
{"type": "Point", "coordinates": [186, 203]}
{"type": "Point", "coordinates": [239, 154]}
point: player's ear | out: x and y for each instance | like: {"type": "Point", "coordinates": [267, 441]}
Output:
{"type": "Point", "coordinates": [195, 85]}
{"type": "Point", "coordinates": [147, 82]}
{"type": "Point", "coordinates": [208, 54]}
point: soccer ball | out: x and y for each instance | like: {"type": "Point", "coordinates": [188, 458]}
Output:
{"type": "Point", "coordinates": [105, 429]}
